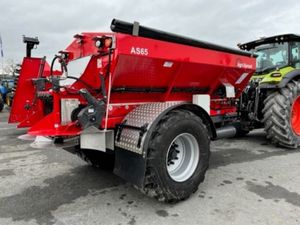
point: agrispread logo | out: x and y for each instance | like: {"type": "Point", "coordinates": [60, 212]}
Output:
{"type": "Point", "coordinates": [240, 64]}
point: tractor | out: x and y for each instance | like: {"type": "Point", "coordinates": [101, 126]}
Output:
{"type": "Point", "coordinates": [272, 98]}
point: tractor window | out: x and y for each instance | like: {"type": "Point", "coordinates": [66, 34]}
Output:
{"type": "Point", "coordinates": [295, 54]}
{"type": "Point", "coordinates": [271, 56]}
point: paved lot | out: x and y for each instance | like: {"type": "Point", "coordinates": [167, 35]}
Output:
{"type": "Point", "coordinates": [249, 182]}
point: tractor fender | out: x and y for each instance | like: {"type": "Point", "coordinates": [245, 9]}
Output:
{"type": "Point", "coordinates": [134, 134]}
{"type": "Point", "coordinates": [293, 75]}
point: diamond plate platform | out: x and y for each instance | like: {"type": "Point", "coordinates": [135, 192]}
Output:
{"type": "Point", "coordinates": [144, 114]}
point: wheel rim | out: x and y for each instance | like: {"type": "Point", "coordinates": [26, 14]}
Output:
{"type": "Point", "coordinates": [182, 157]}
{"type": "Point", "coordinates": [295, 116]}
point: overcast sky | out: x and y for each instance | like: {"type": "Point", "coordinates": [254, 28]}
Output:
{"type": "Point", "coordinates": [224, 22]}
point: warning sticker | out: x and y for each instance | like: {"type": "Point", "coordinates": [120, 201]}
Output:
{"type": "Point", "coordinates": [242, 77]}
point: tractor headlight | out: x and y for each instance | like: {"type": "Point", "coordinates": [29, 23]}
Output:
{"type": "Point", "coordinates": [276, 74]}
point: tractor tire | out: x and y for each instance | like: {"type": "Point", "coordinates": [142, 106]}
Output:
{"type": "Point", "coordinates": [97, 158]}
{"type": "Point", "coordinates": [282, 116]}
{"type": "Point", "coordinates": [177, 157]}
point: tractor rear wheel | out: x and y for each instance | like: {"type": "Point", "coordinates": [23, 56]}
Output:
{"type": "Point", "coordinates": [178, 157]}
{"type": "Point", "coordinates": [282, 116]}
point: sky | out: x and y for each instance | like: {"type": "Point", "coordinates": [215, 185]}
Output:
{"type": "Point", "coordinates": [224, 22]}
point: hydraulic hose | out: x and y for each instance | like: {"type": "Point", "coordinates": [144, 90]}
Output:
{"type": "Point", "coordinates": [52, 65]}
{"type": "Point", "coordinates": [81, 81]}
{"type": "Point", "coordinates": [62, 62]}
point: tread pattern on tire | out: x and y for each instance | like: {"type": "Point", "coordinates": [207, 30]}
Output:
{"type": "Point", "coordinates": [154, 185]}
{"type": "Point", "coordinates": [277, 111]}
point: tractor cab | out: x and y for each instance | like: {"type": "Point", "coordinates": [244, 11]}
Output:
{"type": "Point", "coordinates": [276, 56]}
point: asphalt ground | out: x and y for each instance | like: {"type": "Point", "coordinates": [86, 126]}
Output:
{"type": "Point", "coordinates": [249, 182]}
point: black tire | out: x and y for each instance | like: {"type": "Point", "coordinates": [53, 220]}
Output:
{"type": "Point", "coordinates": [277, 116]}
{"type": "Point", "coordinates": [96, 158]}
{"type": "Point", "coordinates": [158, 182]}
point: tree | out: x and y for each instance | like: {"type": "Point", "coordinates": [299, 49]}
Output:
{"type": "Point", "coordinates": [11, 67]}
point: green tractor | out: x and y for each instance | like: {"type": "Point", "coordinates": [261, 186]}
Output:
{"type": "Point", "coordinates": [272, 98]}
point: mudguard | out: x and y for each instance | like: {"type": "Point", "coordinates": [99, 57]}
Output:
{"type": "Point", "coordinates": [134, 134]}
{"type": "Point", "coordinates": [295, 74]}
